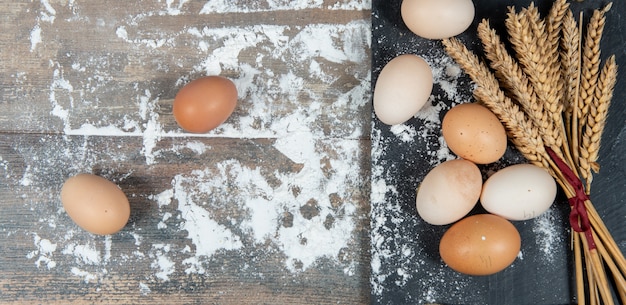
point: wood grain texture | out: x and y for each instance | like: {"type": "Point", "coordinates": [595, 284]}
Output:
{"type": "Point", "coordinates": [76, 78]}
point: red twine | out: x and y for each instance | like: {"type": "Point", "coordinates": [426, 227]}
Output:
{"type": "Point", "coordinates": [578, 217]}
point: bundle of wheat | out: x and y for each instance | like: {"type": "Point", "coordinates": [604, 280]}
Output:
{"type": "Point", "coordinates": [553, 97]}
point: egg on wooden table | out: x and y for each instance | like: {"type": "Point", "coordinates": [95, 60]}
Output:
{"type": "Point", "coordinates": [402, 88]}
{"type": "Point", "coordinates": [480, 244]}
{"type": "Point", "coordinates": [448, 192]}
{"type": "Point", "coordinates": [519, 192]}
{"type": "Point", "coordinates": [95, 204]}
{"type": "Point", "coordinates": [474, 133]}
{"type": "Point", "coordinates": [205, 103]}
{"type": "Point", "coordinates": [437, 19]}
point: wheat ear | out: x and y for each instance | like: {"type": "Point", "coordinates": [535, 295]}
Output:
{"type": "Point", "coordinates": [529, 55]}
{"type": "Point", "coordinates": [570, 61]}
{"type": "Point", "coordinates": [596, 120]}
{"type": "Point", "coordinates": [591, 61]}
{"type": "Point", "coordinates": [511, 76]}
{"type": "Point", "coordinates": [506, 69]}
{"type": "Point", "coordinates": [547, 82]}
{"type": "Point", "coordinates": [554, 26]}
{"type": "Point", "coordinates": [554, 21]}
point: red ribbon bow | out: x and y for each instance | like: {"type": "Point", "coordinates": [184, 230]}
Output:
{"type": "Point", "coordinates": [578, 217]}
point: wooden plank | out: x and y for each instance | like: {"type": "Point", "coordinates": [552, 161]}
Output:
{"type": "Point", "coordinates": [124, 268]}
{"type": "Point", "coordinates": [271, 208]}
{"type": "Point", "coordinates": [110, 58]}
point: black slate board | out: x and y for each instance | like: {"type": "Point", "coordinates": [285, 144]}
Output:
{"type": "Point", "coordinates": [406, 267]}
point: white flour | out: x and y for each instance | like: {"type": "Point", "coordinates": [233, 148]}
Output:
{"type": "Point", "coordinates": [445, 74]}
{"type": "Point", "coordinates": [239, 6]}
{"type": "Point", "coordinates": [294, 218]}
{"type": "Point", "coordinates": [548, 236]}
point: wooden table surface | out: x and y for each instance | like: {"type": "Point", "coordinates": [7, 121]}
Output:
{"type": "Point", "coordinates": [270, 208]}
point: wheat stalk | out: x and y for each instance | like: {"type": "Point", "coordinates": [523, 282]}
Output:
{"type": "Point", "coordinates": [548, 75]}
{"type": "Point", "coordinates": [591, 61]}
{"type": "Point", "coordinates": [590, 66]}
{"type": "Point", "coordinates": [596, 119]}
{"type": "Point", "coordinates": [522, 29]}
{"type": "Point", "coordinates": [511, 76]}
{"type": "Point", "coordinates": [554, 25]}
{"type": "Point", "coordinates": [570, 63]}
{"type": "Point", "coordinates": [548, 69]}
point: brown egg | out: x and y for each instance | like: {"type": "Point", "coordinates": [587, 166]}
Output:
{"type": "Point", "coordinates": [205, 103]}
{"type": "Point", "coordinates": [95, 204]}
{"type": "Point", "coordinates": [474, 133]}
{"type": "Point", "coordinates": [480, 245]}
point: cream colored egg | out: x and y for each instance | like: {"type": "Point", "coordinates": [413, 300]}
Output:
{"type": "Point", "coordinates": [402, 88]}
{"type": "Point", "coordinates": [448, 192]}
{"type": "Point", "coordinates": [519, 192]}
{"type": "Point", "coordinates": [437, 19]}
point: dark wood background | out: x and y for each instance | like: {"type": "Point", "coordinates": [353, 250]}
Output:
{"type": "Point", "coordinates": [109, 53]}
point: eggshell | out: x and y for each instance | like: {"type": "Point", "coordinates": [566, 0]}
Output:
{"type": "Point", "coordinates": [519, 192]}
{"type": "Point", "coordinates": [402, 88]}
{"type": "Point", "coordinates": [480, 245]}
{"type": "Point", "coordinates": [474, 133]}
{"type": "Point", "coordinates": [95, 204]}
{"type": "Point", "coordinates": [448, 192]}
{"type": "Point", "coordinates": [205, 103]}
{"type": "Point", "coordinates": [437, 19]}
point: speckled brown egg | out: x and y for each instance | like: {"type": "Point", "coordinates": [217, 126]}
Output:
{"type": "Point", "coordinates": [480, 244]}
{"type": "Point", "coordinates": [95, 204]}
{"type": "Point", "coordinates": [474, 133]}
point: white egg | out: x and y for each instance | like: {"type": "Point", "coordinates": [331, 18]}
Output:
{"type": "Point", "coordinates": [519, 192]}
{"type": "Point", "coordinates": [402, 88]}
{"type": "Point", "coordinates": [448, 192]}
{"type": "Point", "coordinates": [437, 19]}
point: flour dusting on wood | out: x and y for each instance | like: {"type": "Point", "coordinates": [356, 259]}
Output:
{"type": "Point", "coordinates": [302, 212]}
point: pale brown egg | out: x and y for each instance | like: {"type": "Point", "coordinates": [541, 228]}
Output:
{"type": "Point", "coordinates": [474, 133]}
{"type": "Point", "coordinates": [437, 19]}
{"type": "Point", "coordinates": [481, 244]}
{"type": "Point", "coordinates": [95, 204]}
{"type": "Point", "coordinates": [402, 89]}
{"type": "Point", "coordinates": [448, 192]}
{"type": "Point", "coordinates": [205, 103]}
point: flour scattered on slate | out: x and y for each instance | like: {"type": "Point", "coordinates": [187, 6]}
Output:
{"type": "Point", "coordinates": [405, 260]}
{"type": "Point", "coordinates": [388, 213]}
